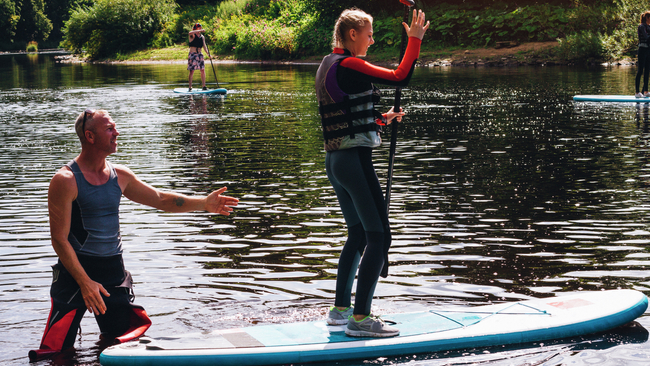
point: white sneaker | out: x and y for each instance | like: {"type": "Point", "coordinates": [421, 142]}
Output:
{"type": "Point", "coordinates": [370, 326]}
{"type": "Point", "coordinates": [646, 94]}
{"type": "Point", "coordinates": [638, 95]}
{"type": "Point", "coordinates": [338, 317]}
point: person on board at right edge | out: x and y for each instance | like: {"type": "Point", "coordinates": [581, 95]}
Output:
{"type": "Point", "coordinates": [346, 98]}
{"type": "Point", "coordinates": [643, 61]}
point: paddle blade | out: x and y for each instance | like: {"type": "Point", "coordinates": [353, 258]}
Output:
{"type": "Point", "coordinates": [407, 2]}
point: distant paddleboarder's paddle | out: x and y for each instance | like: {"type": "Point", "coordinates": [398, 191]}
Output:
{"type": "Point", "coordinates": [210, 57]}
{"type": "Point", "coordinates": [398, 96]}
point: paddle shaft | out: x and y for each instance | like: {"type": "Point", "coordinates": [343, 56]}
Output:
{"type": "Point", "coordinates": [396, 108]}
{"type": "Point", "coordinates": [210, 57]}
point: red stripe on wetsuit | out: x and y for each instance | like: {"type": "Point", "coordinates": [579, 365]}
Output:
{"type": "Point", "coordinates": [383, 75]}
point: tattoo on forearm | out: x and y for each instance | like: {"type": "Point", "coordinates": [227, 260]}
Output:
{"type": "Point", "coordinates": [179, 201]}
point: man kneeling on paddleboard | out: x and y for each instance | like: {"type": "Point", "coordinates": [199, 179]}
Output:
{"type": "Point", "coordinates": [83, 203]}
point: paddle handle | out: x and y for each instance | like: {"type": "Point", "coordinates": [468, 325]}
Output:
{"type": "Point", "coordinates": [396, 108]}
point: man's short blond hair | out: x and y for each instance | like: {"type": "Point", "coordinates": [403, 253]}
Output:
{"type": "Point", "coordinates": [79, 126]}
{"type": "Point", "coordinates": [352, 18]}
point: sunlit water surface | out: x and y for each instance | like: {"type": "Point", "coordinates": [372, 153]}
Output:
{"type": "Point", "coordinates": [504, 189]}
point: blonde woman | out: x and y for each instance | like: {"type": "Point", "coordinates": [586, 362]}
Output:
{"type": "Point", "coordinates": [346, 98]}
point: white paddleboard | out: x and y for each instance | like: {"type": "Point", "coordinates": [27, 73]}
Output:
{"type": "Point", "coordinates": [610, 98]}
{"type": "Point", "coordinates": [424, 332]}
{"type": "Point", "coordinates": [200, 91]}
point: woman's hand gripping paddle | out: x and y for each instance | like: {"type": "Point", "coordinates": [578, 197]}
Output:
{"type": "Point", "coordinates": [398, 96]}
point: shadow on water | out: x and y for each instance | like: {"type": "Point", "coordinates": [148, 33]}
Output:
{"type": "Point", "coordinates": [504, 189]}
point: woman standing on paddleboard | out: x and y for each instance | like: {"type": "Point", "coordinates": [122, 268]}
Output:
{"type": "Point", "coordinates": [346, 97]}
{"type": "Point", "coordinates": [643, 61]}
{"type": "Point", "coordinates": [195, 57]}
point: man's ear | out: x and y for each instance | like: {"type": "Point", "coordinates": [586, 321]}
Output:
{"type": "Point", "coordinates": [90, 136]}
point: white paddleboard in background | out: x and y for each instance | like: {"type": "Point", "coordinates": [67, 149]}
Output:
{"type": "Point", "coordinates": [200, 91]}
{"type": "Point", "coordinates": [423, 332]}
{"type": "Point", "coordinates": [610, 98]}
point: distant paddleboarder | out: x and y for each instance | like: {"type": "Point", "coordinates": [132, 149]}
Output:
{"type": "Point", "coordinates": [346, 100]}
{"type": "Point", "coordinates": [643, 60]}
{"type": "Point", "coordinates": [195, 57]}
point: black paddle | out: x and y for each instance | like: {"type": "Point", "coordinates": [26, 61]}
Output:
{"type": "Point", "coordinates": [210, 57]}
{"type": "Point", "coordinates": [398, 96]}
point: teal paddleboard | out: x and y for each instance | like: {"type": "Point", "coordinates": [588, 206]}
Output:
{"type": "Point", "coordinates": [423, 332]}
{"type": "Point", "coordinates": [611, 98]}
{"type": "Point", "coordinates": [199, 91]}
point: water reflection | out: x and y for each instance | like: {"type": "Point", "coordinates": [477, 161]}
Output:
{"type": "Point", "coordinates": [504, 189]}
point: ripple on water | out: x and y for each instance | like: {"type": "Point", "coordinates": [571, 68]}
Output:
{"type": "Point", "coordinates": [498, 195]}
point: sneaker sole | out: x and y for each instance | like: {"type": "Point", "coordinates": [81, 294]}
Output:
{"type": "Point", "coordinates": [363, 333]}
{"type": "Point", "coordinates": [331, 321]}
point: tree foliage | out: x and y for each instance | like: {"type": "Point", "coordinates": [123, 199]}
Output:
{"type": "Point", "coordinates": [623, 40]}
{"type": "Point", "coordinates": [58, 12]}
{"type": "Point", "coordinates": [465, 25]}
{"type": "Point", "coordinates": [114, 26]}
{"type": "Point", "coordinates": [268, 29]}
{"type": "Point", "coordinates": [8, 20]}
{"type": "Point", "coordinates": [296, 28]}
{"type": "Point", "coordinates": [33, 25]}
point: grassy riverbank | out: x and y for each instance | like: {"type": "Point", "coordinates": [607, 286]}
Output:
{"type": "Point", "coordinates": [577, 32]}
{"type": "Point", "coordinates": [531, 53]}
{"type": "Point", "coordinates": [461, 33]}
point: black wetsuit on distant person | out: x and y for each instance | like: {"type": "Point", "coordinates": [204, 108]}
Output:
{"type": "Point", "coordinates": [346, 98]}
{"type": "Point", "coordinates": [643, 61]}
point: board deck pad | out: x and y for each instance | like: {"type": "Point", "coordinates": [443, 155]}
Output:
{"type": "Point", "coordinates": [200, 91]}
{"type": "Point", "coordinates": [610, 98]}
{"type": "Point", "coordinates": [428, 331]}
{"type": "Point", "coordinates": [296, 334]}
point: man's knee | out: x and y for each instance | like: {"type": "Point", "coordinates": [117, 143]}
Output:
{"type": "Point", "coordinates": [123, 319]}
{"type": "Point", "coordinates": [123, 323]}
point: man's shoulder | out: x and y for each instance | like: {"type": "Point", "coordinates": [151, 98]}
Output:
{"type": "Point", "coordinates": [63, 174]}
{"type": "Point", "coordinates": [124, 174]}
{"type": "Point", "coordinates": [121, 169]}
{"type": "Point", "coordinates": [63, 183]}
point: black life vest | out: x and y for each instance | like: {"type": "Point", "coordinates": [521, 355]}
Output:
{"type": "Point", "coordinates": [348, 120]}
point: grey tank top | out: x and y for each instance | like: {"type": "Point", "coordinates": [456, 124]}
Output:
{"type": "Point", "coordinates": [95, 224]}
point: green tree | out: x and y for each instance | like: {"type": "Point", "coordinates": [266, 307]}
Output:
{"type": "Point", "coordinates": [623, 40]}
{"type": "Point", "coordinates": [110, 27]}
{"type": "Point", "coordinates": [58, 12]}
{"type": "Point", "coordinates": [8, 20]}
{"type": "Point", "coordinates": [33, 25]}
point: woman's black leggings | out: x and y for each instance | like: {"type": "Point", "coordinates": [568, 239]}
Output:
{"type": "Point", "coordinates": [355, 182]}
{"type": "Point", "coordinates": [643, 67]}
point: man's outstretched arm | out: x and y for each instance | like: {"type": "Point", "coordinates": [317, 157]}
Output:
{"type": "Point", "coordinates": [140, 192]}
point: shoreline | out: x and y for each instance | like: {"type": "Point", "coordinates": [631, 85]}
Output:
{"type": "Point", "coordinates": [514, 55]}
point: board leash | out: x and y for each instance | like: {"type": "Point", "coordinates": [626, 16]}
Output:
{"type": "Point", "coordinates": [497, 312]}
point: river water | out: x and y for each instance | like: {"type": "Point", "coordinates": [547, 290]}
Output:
{"type": "Point", "coordinates": [504, 189]}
